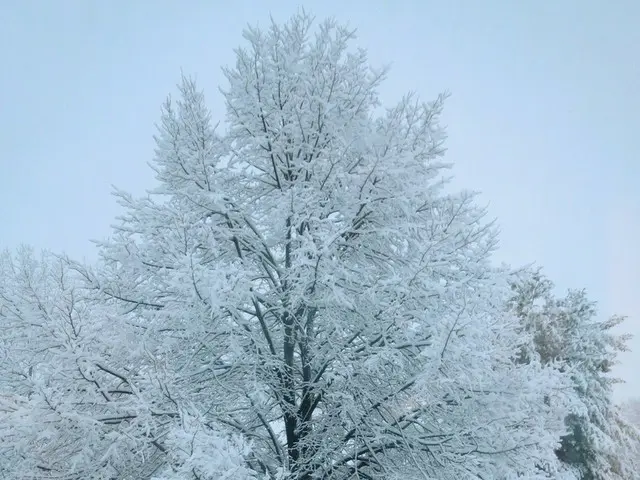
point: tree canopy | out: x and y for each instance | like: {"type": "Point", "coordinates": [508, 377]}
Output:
{"type": "Point", "coordinates": [301, 297]}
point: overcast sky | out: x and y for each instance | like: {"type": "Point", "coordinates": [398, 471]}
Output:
{"type": "Point", "coordinates": [544, 116]}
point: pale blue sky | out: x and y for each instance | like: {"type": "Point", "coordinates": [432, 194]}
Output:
{"type": "Point", "coordinates": [544, 116]}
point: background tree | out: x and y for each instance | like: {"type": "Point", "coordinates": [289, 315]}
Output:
{"type": "Point", "coordinates": [75, 399]}
{"type": "Point", "coordinates": [568, 330]}
{"type": "Point", "coordinates": [65, 382]}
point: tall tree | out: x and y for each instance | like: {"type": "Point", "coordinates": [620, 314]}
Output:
{"type": "Point", "coordinates": [569, 331]}
{"type": "Point", "coordinates": [301, 298]}
{"type": "Point", "coordinates": [306, 282]}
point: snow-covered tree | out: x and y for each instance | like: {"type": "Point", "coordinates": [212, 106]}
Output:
{"type": "Point", "coordinates": [303, 279]}
{"type": "Point", "coordinates": [61, 394]}
{"type": "Point", "coordinates": [300, 298]}
{"type": "Point", "coordinates": [568, 330]}
{"type": "Point", "coordinates": [75, 401]}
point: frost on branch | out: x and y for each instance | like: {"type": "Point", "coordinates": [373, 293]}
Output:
{"type": "Point", "coordinates": [70, 406]}
{"type": "Point", "coordinates": [195, 450]}
{"type": "Point", "coordinates": [77, 396]}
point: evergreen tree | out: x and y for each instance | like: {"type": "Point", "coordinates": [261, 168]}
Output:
{"type": "Point", "coordinates": [569, 332]}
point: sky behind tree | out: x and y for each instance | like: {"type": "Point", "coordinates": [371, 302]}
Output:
{"type": "Point", "coordinates": [542, 118]}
